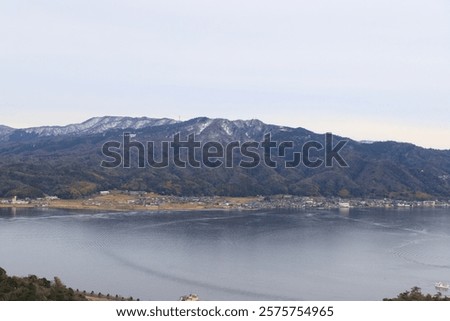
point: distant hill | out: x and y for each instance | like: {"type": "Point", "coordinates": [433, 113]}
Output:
{"type": "Point", "coordinates": [65, 161]}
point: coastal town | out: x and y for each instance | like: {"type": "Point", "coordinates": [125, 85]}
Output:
{"type": "Point", "coordinates": [139, 200]}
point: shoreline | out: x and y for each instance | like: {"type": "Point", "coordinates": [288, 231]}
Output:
{"type": "Point", "coordinates": [142, 201]}
{"type": "Point", "coordinates": [124, 209]}
{"type": "Point", "coordinates": [126, 203]}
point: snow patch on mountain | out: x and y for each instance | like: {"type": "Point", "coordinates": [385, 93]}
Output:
{"type": "Point", "coordinates": [5, 131]}
{"type": "Point", "coordinates": [226, 128]}
{"type": "Point", "coordinates": [203, 126]}
{"type": "Point", "coordinates": [99, 125]}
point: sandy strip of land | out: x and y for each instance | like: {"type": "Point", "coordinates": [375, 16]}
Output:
{"type": "Point", "coordinates": [150, 202]}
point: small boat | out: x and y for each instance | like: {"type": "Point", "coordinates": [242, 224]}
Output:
{"type": "Point", "coordinates": [441, 286]}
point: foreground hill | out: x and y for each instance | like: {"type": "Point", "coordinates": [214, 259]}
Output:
{"type": "Point", "coordinates": [32, 288]}
{"type": "Point", "coordinates": [65, 161]}
{"type": "Point", "coordinates": [415, 294]}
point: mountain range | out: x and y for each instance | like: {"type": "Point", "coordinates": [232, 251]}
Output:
{"type": "Point", "coordinates": [65, 161]}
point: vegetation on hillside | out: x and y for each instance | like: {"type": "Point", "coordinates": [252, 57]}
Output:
{"type": "Point", "coordinates": [32, 288]}
{"type": "Point", "coordinates": [416, 295]}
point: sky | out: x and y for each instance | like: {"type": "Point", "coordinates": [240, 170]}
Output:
{"type": "Point", "coordinates": [368, 70]}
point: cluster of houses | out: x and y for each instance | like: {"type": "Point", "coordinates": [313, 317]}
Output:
{"type": "Point", "coordinates": [272, 202]}
{"type": "Point", "coordinates": [289, 201]}
{"type": "Point", "coordinates": [141, 198]}
{"type": "Point", "coordinates": [27, 201]}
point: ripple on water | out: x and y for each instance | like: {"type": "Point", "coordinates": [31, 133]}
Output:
{"type": "Point", "coordinates": [428, 252]}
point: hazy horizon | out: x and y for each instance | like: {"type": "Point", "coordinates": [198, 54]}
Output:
{"type": "Point", "coordinates": [281, 125]}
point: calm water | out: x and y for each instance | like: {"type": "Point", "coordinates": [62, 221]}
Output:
{"type": "Point", "coordinates": [270, 255]}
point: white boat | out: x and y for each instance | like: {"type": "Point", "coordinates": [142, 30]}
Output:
{"type": "Point", "coordinates": [441, 286]}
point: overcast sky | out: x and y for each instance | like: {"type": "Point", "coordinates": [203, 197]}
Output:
{"type": "Point", "coordinates": [372, 69]}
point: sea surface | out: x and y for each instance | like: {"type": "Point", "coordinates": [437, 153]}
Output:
{"type": "Point", "coordinates": [352, 254]}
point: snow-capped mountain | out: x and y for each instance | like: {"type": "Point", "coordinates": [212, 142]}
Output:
{"type": "Point", "coordinates": [5, 130]}
{"type": "Point", "coordinates": [223, 128]}
{"type": "Point", "coordinates": [96, 125]}
{"type": "Point", "coordinates": [213, 128]}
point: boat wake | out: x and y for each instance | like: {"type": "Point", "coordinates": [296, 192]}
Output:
{"type": "Point", "coordinates": [427, 252]}
{"type": "Point", "coordinates": [151, 271]}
